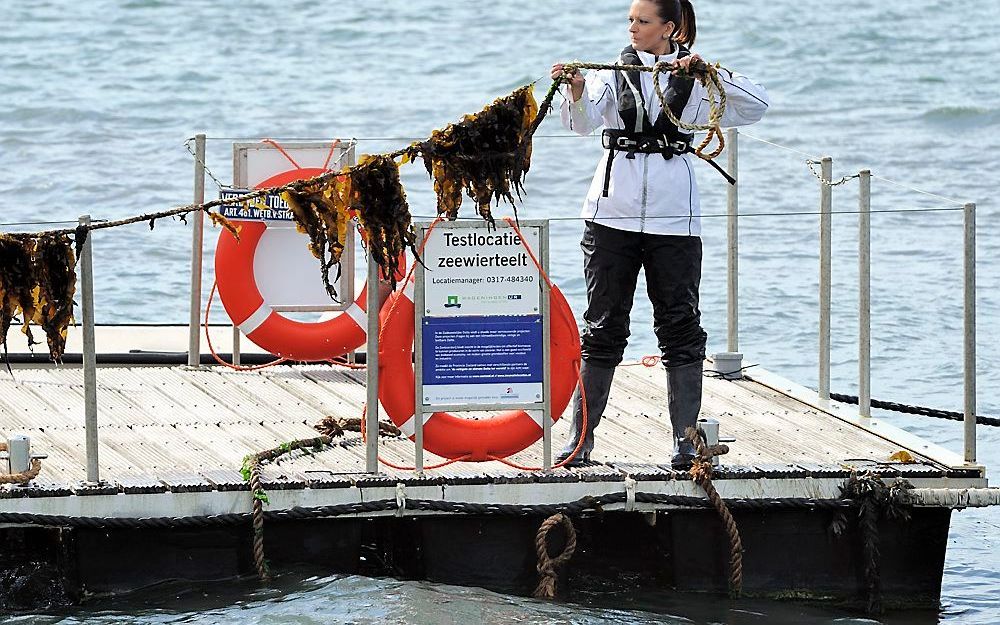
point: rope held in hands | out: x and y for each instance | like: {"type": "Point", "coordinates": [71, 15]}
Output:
{"type": "Point", "coordinates": [708, 74]}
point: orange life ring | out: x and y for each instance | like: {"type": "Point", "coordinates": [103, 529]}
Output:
{"type": "Point", "coordinates": [450, 436]}
{"type": "Point", "coordinates": [284, 337]}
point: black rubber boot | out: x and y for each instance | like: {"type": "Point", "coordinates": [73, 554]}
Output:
{"type": "Point", "coordinates": [684, 403]}
{"type": "Point", "coordinates": [597, 384]}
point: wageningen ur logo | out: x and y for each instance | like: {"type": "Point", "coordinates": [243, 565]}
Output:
{"type": "Point", "coordinates": [453, 302]}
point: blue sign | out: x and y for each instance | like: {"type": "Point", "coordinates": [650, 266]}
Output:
{"type": "Point", "coordinates": [497, 350]}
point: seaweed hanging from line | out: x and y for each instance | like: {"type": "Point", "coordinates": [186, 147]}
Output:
{"type": "Point", "coordinates": [37, 284]}
{"type": "Point", "coordinates": [16, 285]}
{"type": "Point", "coordinates": [486, 155]}
{"type": "Point", "coordinates": [372, 191]}
{"type": "Point", "coordinates": [55, 270]}
{"type": "Point", "coordinates": [383, 213]}
{"type": "Point", "coordinates": [322, 212]}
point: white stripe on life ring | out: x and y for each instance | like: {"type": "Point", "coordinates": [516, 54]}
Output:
{"type": "Point", "coordinates": [537, 416]}
{"type": "Point", "coordinates": [255, 320]}
{"type": "Point", "coordinates": [408, 290]}
{"type": "Point", "coordinates": [409, 428]}
{"type": "Point", "coordinates": [358, 316]}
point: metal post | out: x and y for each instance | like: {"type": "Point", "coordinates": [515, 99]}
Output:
{"type": "Point", "coordinates": [825, 275]}
{"type": "Point", "coordinates": [419, 306]}
{"type": "Point", "coordinates": [733, 264]}
{"type": "Point", "coordinates": [89, 354]}
{"type": "Point", "coordinates": [970, 333]}
{"type": "Point", "coordinates": [371, 422]}
{"type": "Point", "coordinates": [197, 238]}
{"type": "Point", "coordinates": [546, 312]}
{"type": "Point", "coordinates": [236, 346]}
{"type": "Point", "coordinates": [865, 295]}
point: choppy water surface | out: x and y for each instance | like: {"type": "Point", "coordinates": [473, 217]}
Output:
{"type": "Point", "coordinates": [100, 96]}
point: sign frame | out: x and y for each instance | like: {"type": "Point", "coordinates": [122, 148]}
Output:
{"type": "Point", "coordinates": [307, 154]}
{"type": "Point", "coordinates": [538, 410]}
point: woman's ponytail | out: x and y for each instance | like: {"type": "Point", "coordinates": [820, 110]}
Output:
{"type": "Point", "coordinates": [687, 29]}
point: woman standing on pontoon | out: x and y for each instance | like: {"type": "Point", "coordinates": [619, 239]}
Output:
{"type": "Point", "coordinates": [642, 211]}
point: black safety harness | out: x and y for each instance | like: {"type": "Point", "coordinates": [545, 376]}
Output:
{"type": "Point", "coordinates": [639, 135]}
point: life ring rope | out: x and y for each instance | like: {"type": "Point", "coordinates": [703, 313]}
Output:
{"type": "Point", "coordinates": [218, 359]}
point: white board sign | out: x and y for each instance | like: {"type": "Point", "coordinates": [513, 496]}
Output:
{"type": "Point", "coordinates": [481, 271]}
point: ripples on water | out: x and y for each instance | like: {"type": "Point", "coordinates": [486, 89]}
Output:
{"type": "Point", "coordinates": [100, 95]}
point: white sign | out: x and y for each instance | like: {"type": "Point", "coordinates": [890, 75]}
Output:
{"type": "Point", "coordinates": [481, 271]}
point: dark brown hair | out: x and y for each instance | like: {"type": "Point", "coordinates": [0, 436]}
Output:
{"type": "Point", "coordinates": [681, 13]}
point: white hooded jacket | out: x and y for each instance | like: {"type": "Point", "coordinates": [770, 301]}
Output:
{"type": "Point", "coordinates": [649, 193]}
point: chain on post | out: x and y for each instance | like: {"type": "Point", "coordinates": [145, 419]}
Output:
{"type": "Point", "coordinates": [812, 167]}
{"type": "Point", "coordinates": [187, 145]}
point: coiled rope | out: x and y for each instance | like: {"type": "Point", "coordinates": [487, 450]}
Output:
{"type": "Point", "coordinates": [548, 574]}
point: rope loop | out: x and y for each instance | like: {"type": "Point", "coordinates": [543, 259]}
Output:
{"type": "Point", "coordinates": [548, 574]}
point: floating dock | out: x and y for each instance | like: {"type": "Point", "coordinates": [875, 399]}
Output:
{"type": "Point", "coordinates": [172, 503]}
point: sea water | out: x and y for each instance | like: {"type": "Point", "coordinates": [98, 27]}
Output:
{"type": "Point", "coordinates": [100, 96]}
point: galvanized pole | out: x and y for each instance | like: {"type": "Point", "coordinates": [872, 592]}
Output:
{"type": "Point", "coordinates": [865, 295]}
{"type": "Point", "coordinates": [89, 355]}
{"type": "Point", "coordinates": [371, 422]}
{"type": "Point", "coordinates": [545, 309]}
{"type": "Point", "coordinates": [419, 307]}
{"type": "Point", "coordinates": [236, 346]}
{"type": "Point", "coordinates": [970, 333]}
{"type": "Point", "coordinates": [733, 264]}
{"type": "Point", "coordinates": [197, 238]}
{"type": "Point", "coordinates": [825, 275]}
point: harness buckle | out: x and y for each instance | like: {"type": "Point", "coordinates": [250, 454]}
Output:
{"type": "Point", "coordinates": [679, 147]}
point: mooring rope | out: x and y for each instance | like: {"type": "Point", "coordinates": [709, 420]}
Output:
{"type": "Point", "coordinates": [548, 567]}
{"type": "Point", "coordinates": [876, 500]}
{"type": "Point", "coordinates": [338, 426]}
{"type": "Point", "coordinates": [24, 476]}
{"type": "Point", "coordinates": [701, 474]}
{"type": "Point", "coordinates": [922, 411]}
{"type": "Point", "coordinates": [252, 473]}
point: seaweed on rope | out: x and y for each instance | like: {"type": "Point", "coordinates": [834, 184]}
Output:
{"type": "Point", "coordinates": [37, 284]}
{"type": "Point", "coordinates": [486, 155]}
{"type": "Point", "coordinates": [321, 211]}
{"type": "Point", "coordinates": [372, 191]}
{"type": "Point", "coordinates": [383, 213]}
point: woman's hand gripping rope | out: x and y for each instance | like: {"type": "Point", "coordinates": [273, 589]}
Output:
{"type": "Point", "coordinates": [692, 65]}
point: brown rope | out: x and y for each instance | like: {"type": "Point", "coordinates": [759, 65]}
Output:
{"type": "Point", "coordinates": [701, 474]}
{"type": "Point", "coordinates": [548, 574]}
{"type": "Point", "coordinates": [709, 76]}
{"type": "Point", "coordinates": [335, 427]}
{"type": "Point", "coordinates": [251, 472]}
{"type": "Point", "coordinates": [183, 211]}
{"type": "Point", "coordinates": [24, 476]}
{"type": "Point", "coordinates": [259, 497]}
